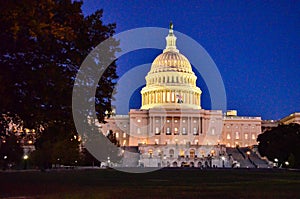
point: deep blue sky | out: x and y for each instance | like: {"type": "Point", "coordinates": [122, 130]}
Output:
{"type": "Point", "coordinates": [255, 44]}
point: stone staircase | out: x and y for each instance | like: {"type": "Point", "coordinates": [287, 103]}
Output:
{"type": "Point", "coordinates": [254, 158]}
{"type": "Point", "coordinates": [131, 157]}
{"type": "Point", "coordinates": [238, 156]}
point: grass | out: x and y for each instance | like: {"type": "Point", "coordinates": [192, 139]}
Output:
{"type": "Point", "coordinates": [169, 183]}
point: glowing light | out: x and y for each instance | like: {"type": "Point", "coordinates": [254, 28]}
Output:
{"type": "Point", "coordinates": [286, 163]}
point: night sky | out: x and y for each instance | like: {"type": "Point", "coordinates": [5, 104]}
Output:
{"type": "Point", "coordinates": [254, 44]}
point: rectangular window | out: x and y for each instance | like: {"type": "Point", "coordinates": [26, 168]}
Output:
{"type": "Point", "coordinates": [156, 141]}
{"type": "Point", "coordinates": [237, 135]}
{"type": "Point", "coordinates": [138, 131]}
{"type": "Point", "coordinates": [157, 131]}
{"type": "Point", "coordinates": [176, 131]}
{"type": "Point", "coordinates": [253, 136]}
{"type": "Point", "coordinates": [117, 135]}
{"type": "Point", "coordinates": [246, 136]}
{"type": "Point", "coordinates": [183, 131]}
{"type": "Point", "coordinates": [195, 131]}
{"type": "Point", "coordinates": [124, 135]}
{"type": "Point", "coordinates": [168, 131]}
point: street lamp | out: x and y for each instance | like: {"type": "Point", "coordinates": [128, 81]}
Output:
{"type": "Point", "coordinates": [25, 157]}
{"type": "Point", "coordinates": [276, 162]}
{"type": "Point", "coordinates": [108, 161]}
{"type": "Point", "coordinates": [286, 163]}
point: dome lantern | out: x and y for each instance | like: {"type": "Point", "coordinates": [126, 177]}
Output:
{"type": "Point", "coordinates": [171, 40]}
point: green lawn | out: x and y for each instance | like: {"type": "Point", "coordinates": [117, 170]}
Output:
{"type": "Point", "coordinates": [179, 183]}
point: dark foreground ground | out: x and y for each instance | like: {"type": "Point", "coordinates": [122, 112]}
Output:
{"type": "Point", "coordinates": [179, 183]}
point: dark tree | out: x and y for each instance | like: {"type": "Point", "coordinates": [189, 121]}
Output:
{"type": "Point", "coordinates": [87, 159]}
{"type": "Point", "coordinates": [282, 143]}
{"type": "Point", "coordinates": [56, 146]}
{"type": "Point", "coordinates": [11, 152]}
{"type": "Point", "coordinates": [112, 137]}
{"type": "Point", "coordinates": [43, 45]}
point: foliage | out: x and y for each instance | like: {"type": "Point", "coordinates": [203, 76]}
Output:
{"type": "Point", "coordinates": [87, 159]}
{"type": "Point", "coordinates": [43, 45]}
{"type": "Point", "coordinates": [112, 137]}
{"type": "Point", "coordinates": [282, 143]}
{"type": "Point", "coordinates": [11, 152]}
{"type": "Point", "coordinates": [55, 147]}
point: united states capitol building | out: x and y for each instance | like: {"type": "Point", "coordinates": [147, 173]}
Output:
{"type": "Point", "coordinates": [171, 129]}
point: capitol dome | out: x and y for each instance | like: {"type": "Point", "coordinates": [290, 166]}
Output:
{"type": "Point", "coordinates": [171, 61]}
{"type": "Point", "coordinates": [171, 83]}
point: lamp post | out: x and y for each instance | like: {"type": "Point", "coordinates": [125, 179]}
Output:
{"type": "Point", "coordinates": [276, 162]}
{"type": "Point", "coordinates": [25, 158]}
{"type": "Point", "coordinates": [248, 153]}
{"type": "Point", "coordinates": [108, 161]}
{"type": "Point", "coordinates": [286, 163]}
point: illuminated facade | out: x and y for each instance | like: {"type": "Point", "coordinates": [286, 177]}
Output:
{"type": "Point", "coordinates": [171, 128]}
{"type": "Point", "coordinates": [292, 118]}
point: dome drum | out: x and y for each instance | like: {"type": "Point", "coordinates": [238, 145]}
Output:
{"type": "Point", "coordinates": [171, 78]}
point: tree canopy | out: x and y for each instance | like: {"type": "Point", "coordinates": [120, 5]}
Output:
{"type": "Point", "coordinates": [43, 45]}
{"type": "Point", "coordinates": [281, 143]}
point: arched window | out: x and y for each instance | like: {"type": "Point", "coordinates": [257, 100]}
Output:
{"type": "Point", "coordinates": [171, 153]}
{"type": "Point", "coordinates": [150, 152]}
{"type": "Point", "coordinates": [192, 153]}
{"type": "Point", "coordinates": [228, 136]}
